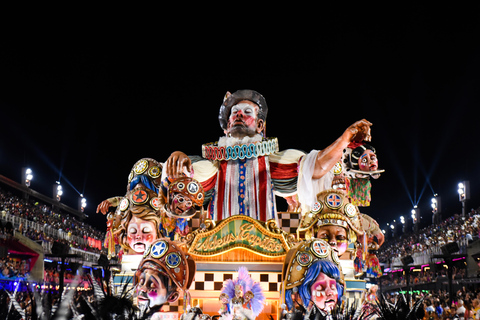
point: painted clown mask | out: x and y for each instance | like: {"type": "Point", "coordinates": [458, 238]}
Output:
{"type": "Point", "coordinates": [140, 234]}
{"type": "Point", "coordinates": [368, 161]}
{"type": "Point", "coordinates": [243, 120]}
{"type": "Point", "coordinates": [151, 290]}
{"type": "Point", "coordinates": [324, 292]}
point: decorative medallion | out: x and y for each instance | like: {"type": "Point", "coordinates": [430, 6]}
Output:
{"type": "Point", "coordinates": [350, 210]}
{"type": "Point", "coordinates": [180, 185]}
{"type": "Point", "coordinates": [141, 166]}
{"type": "Point", "coordinates": [333, 201]}
{"type": "Point", "coordinates": [173, 259]}
{"type": "Point", "coordinates": [304, 258]}
{"type": "Point", "coordinates": [140, 197]}
{"type": "Point", "coordinates": [156, 203]}
{"type": "Point", "coordinates": [192, 187]}
{"type": "Point", "coordinates": [147, 251]}
{"type": "Point", "coordinates": [320, 249]}
{"type": "Point", "coordinates": [335, 257]}
{"type": "Point", "coordinates": [337, 168]}
{"type": "Point", "coordinates": [317, 207]}
{"type": "Point", "coordinates": [124, 204]}
{"type": "Point", "coordinates": [159, 249]}
{"type": "Point", "coordinates": [154, 172]}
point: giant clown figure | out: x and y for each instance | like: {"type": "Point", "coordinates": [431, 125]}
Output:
{"type": "Point", "coordinates": [244, 170]}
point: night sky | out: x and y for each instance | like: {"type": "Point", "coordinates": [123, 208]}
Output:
{"type": "Point", "coordinates": [83, 111]}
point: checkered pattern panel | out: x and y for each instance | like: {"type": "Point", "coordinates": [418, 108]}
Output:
{"type": "Point", "coordinates": [213, 281]}
{"type": "Point", "coordinates": [288, 222]}
{"type": "Point", "coordinates": [171, 306]}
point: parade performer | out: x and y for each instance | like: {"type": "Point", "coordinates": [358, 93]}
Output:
{"type": "Point", "coordinates": [244, 168]}
{"type": "Point", "coordinates": [312, 277]}
{"type": "Point", "coordinates": [241, 298]}
{"type": "Point", "coordinates": [162, 274]}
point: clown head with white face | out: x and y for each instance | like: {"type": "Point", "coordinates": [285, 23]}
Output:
{"type": "Point", "coordinates": [243, 120]}
{"type": "Point", "coordinates": [140, 234]}
{"type": "Point", "coordinates": [162, 274]}
{"type": "Point", "coordinates": [152, 289]}
{"type": "Point", "coordinates": [243, 114]}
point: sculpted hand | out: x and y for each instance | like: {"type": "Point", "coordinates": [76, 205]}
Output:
{"type": "Point", "coordinates": [177, 163]}
{"type": "Point", "coordinates": [103, 206]}
{"type": "Point", "coordinates": [359, 131]}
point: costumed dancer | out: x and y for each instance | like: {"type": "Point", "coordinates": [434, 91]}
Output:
{"type": "Point", "coordinates": [244, 170]}
{"type": "Point", "coordinates": [242, 298]}
{"type": "Point", "coordinates": [162, 274]}
{"type": "Point", "coordinates": [370, 300]}
{"type": "Point", "coordinates": [312, 280]}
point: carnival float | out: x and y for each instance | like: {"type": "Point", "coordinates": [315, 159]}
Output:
{"type": "Point", "coordinates": [200, 236]}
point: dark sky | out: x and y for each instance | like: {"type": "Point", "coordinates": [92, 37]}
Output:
{"type": "Point", "coordinates": [83, 109]}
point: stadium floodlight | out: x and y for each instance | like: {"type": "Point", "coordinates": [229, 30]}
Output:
{"type": "Point", "coordinates": [83, 203]}
{"type": "Point", "coordinates": [463, 194]}
{"type": "Point", "coordinates": [28, 174]}
{"type": "Point", "coordinates": [57, 191]}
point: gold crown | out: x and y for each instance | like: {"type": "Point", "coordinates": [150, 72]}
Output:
{"type": "Point", "coordinates": [332, 208]}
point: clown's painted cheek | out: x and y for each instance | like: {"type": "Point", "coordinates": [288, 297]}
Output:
{"type": "Point", "coordinates": [341, 247]}
{"type": "Point", "coordinates": [368, 161]}
{"type": "Point", "coordinates": [243, 114]}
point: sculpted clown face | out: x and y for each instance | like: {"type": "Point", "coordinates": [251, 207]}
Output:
{"type": "Point", "coordinates": [336, 236]}
{"type": "Point", "coordinates": [140, 234]}
{"type": "Point", "coordinates": [324, 292]}
{"type": "Point", "coordinates": [151, 290]}
{"type": "Point", "coordinates": [368, 161]}
{"type": "Point", "coordinates": [243, 120]}
{"type": "Point", "coordinates": [180, 204]}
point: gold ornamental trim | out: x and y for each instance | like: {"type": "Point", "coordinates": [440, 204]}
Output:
{"type": "Point", "coordinates": [239, 231]}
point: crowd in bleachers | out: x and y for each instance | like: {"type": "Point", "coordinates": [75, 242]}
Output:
{"type": "Point", "coordinates": [454, 229]}
{"type": "Point", "coordinates": [47, 224]}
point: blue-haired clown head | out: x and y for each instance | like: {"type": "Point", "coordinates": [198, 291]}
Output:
{"type": "Point", "coordinates": [312, 275]}
{"type": "Point", "coordinates": [321, 286]}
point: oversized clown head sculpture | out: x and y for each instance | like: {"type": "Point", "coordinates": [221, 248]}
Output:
{"type": "Point", "coordinates": [243, 114]}
{"type": "Point", "coordinates": [136, 221]}
{"type": "Point", "coordinates": [333, 219]}
{"type": "Point", "coordinates": [312, 272]}
{"type": "Point", "coordinates": [162, 274]}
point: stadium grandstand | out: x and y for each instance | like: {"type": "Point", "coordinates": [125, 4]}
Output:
{"type": "Point", "coordinates": [42, 239]}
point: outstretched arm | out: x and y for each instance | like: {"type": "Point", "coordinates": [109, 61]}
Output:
{"type": "Point", "coordinates": [327, 158]}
